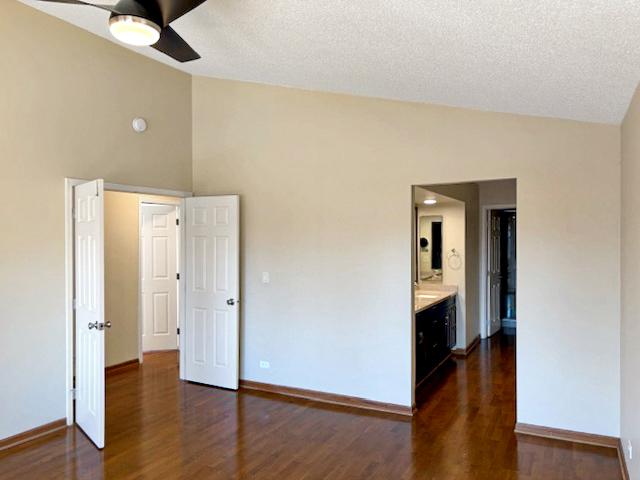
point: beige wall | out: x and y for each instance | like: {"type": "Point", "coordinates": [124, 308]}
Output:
{"type": "Point", "coordinates": [498, 192]}
{"type": "Point", "coordinates": [67, 99]}
{"type": "Point", "coordinates": [325, 184]}
{"type": "Point", "coordinates": [630, 260]}
{"type": "Point", "coordinates": [121, 289]}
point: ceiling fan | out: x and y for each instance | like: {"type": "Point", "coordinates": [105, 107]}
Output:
{"type": "Point", "coordinates": [146, 23]}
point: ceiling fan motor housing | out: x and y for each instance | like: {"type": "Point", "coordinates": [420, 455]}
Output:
{"type": "Point", "coordinates": [135, 9]}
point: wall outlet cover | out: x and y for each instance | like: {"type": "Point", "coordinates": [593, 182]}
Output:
{"type": "Point", "coordinates": [265, 277]}
{"type": "Point", "coordinates": [264, 364]}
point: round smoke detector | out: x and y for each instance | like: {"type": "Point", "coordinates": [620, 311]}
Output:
{"type": "Point", "coordinates": [139, 125]}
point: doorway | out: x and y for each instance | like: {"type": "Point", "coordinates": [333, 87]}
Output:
{"type": "Point", "coordinates": [206, 259]}
{"type": "Point", "coordinates": [501, 272]}
{"type": "Point", "coordinates": [460, 232]}
{"type": "Point", "coordinates": [159, 267]}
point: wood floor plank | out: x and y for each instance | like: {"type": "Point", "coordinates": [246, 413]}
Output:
{"type": "Point", "coordinates": [160, 427]}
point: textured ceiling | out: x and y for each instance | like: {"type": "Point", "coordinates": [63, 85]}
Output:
{"type": "Point", "coordinates": [576, 59]}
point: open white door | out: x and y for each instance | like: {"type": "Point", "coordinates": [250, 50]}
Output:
{"type": "Point", "coordinates": [212, 291]}
{"type": "Point", "coordinates": [89, 300]}
{"type": "Point", "coordinates": [493, 274]}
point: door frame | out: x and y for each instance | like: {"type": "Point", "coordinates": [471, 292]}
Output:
{"type": "Point", "coordinates": [484, 259]}
{"type": "Point", "coordinates": [69, 183]}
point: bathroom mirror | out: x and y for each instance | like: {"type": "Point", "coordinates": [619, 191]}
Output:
{"type": "Point", "coordinates": [430, 248]}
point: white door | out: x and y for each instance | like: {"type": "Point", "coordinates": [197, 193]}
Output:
{"type": "Point", "coordinates": [493, 274]}
{"type": "Point", "coordinates": [89, 318]}
{"type": "Point", "coordinates": [212, 291]}
{"type": "Point", "coordinates": [159, 280]}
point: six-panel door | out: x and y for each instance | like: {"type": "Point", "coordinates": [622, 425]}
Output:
{"type": "Point", "coordinates": [159, 277]}
{"type": "Point", "coordinates": [89, 299]}
{"type": "Point", "coordinates": [212, 290]}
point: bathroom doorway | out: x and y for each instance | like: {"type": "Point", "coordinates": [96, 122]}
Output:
{"type": "Point", "coordinates": [501, 269]}
{"type": "Point", "coordinates": [464, 281]}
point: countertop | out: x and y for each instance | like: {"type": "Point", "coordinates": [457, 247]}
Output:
{"type": "Point", "coordinates": [428, 295]}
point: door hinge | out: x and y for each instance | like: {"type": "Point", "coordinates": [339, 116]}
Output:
{"type": "Point", "coordinates": [73, 393]}
{"type": "Point", "coordinates": [75, 303]}
{"type": "Point", "coordinates": [178, 330]}
{"type": "Point", "coordinates": [177, 276]}
{"type": "Point", "coordinates": [177, 221]}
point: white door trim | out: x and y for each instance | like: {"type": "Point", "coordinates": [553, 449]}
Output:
{"type": "Point", "coordinates": [119, 187]}
{"type": "Point", "coordinates": [484, 245]}
{"type": "Point", "coordinates": [69, 183]}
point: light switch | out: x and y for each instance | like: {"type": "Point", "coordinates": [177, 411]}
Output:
{"type": "Point", "coordinates": [265, 277]}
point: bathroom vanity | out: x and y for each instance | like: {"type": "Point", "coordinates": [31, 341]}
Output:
{"type": "Point", "coordinates": [435, 327]}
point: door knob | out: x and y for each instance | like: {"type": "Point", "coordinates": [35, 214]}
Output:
{"type": "Point", "coordinates": [99, 326]}
{"type": "Point", "coordinates": [231, 301]}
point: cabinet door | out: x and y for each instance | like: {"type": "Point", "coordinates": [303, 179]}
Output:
{"type": "Point", "coordinates": [451, 330]}
{"type": "Point", "coordinates": [422, 360]}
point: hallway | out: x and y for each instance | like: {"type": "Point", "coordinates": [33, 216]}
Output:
{"type": "Point", "coordinates": [159, 427]}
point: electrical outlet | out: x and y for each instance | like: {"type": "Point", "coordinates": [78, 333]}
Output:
{"type": "Point", "coordinates": [265, 277]}
{"type": "Point", "coordinates": [630, 449]}
{"type": "Point", "coordinates": [264, 364]}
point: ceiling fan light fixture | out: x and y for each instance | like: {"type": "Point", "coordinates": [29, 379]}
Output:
{"type": "Point", "coordinates": [134, 30]}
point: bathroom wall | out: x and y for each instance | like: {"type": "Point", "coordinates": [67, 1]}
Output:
{"type": "Point", "coordinates": [454, 269]}
{"type": "Point", "coordinates": [468, 193]}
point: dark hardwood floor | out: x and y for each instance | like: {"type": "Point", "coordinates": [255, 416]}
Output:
{"type": "Point", "coordinates": [161, 428]}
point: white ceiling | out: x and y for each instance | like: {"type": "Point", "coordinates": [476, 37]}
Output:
{"type": "Point", "coordinates": [421, 194]}
{"type": "Point", "coordinates": [577, 59]}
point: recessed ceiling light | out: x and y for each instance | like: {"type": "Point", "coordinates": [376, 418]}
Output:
{"type": "Point", "coordinates": [430, 201]}
{"type": "Point", "coordinates": [134, 30]}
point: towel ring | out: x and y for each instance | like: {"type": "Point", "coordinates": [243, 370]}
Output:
{"type": "Point", "coordinates": [454, 260]}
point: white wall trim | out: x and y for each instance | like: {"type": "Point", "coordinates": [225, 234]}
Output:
{"type": "Point", "coordinates": [484, 214]}
{"type": "Point", "coordinates": [69, 183]}
{"type": "Point", "coordinates": [118, 187]}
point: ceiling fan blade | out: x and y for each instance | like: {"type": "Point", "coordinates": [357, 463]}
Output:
{"type": "Point", "coordinates": [108, 8]}
{"type": "Point", "coordinates": [173, 9]}
{"type": "Point", "coordinates": [173, 45]}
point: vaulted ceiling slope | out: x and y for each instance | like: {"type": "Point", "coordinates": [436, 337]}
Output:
{"type": "Point", "coordinates": [571, 59]}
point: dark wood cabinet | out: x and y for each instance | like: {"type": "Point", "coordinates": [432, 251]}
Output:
{"type": "Point", "coordinates": [435, 337]}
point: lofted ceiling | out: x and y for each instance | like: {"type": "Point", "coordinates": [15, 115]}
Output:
{"type": "Point", "coordinates": [573, 59]}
